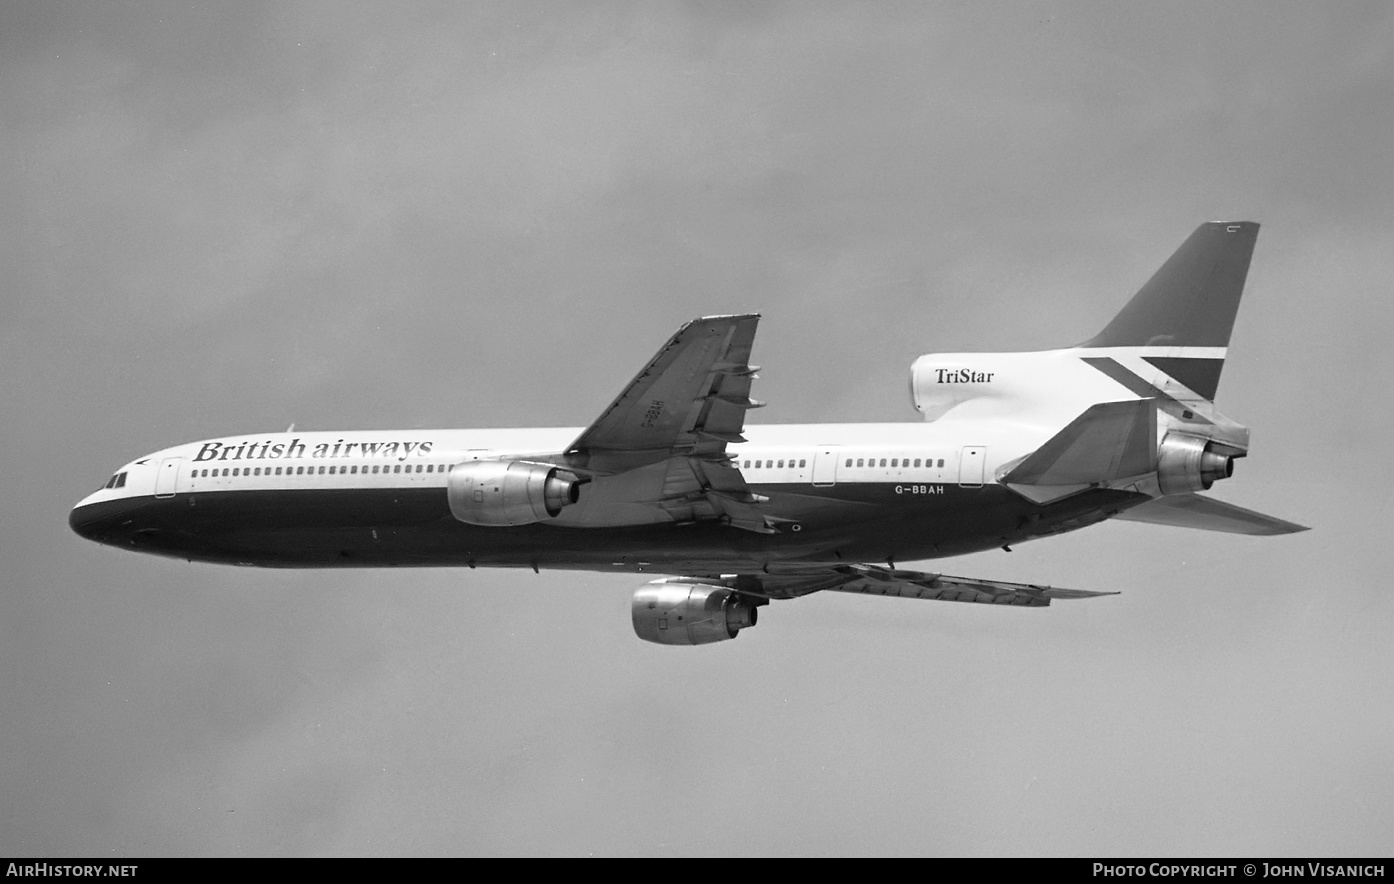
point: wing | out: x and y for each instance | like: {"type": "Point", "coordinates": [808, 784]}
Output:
{"type": "Point", "coordinates": [875, 580]}
{"type": "Point", "coordinates": [658, 452]}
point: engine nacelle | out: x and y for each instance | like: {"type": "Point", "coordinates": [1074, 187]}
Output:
{"type": "Point", "coordinates": [509, 492]}
{"type": "Point", "coordinates": [1191, 463]}
{"type": "Point", "coordinates": [672, 613]}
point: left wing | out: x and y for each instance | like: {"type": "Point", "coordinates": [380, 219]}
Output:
{"type": "Point", "coordinates": [876, 580]}
{"type": "Point", "coordinates": [658, 452]}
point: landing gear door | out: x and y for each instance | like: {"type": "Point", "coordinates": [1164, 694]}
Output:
{"type": "Point", "coordinates": [970, 466]}
{"type": "Point", "coordinates": [167, 476]}
{"type": "Point", "coordinates": [825, 466]}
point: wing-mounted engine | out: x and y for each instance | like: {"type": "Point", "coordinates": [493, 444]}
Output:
{"type": "Point", "coordinates": [509, 492]}
{"type": "Point", "coordinates": [679, 611]}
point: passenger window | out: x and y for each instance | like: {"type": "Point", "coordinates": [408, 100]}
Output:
{"type": "Point", "coordinates": [376, 468]}
{"type": "Point", "coordinates": [895, 462]}
{"type": "Point", "coordinates": [883, 461]}
{"type": "Point", "coordinates": [430, 468]}
{"type": "Point", "coordinates": [747, 465]}
{"type": "Point", "coordinates": [802, 462]}
{"type": "Point", "coordinates": [419, 468]}
{"type": "Point", "coordinates": [321, 471]}
{"type": "Point", "coordinates": [278, 471]}
{"type": "Point", "coordinates": [941, 462]}
{"type": "Point", "coordinates": [859, 461]}
{"type": "Point", "coordinates": [397, 468]}
{"type": "Point", "coordinates": [849, 461]}
{"type": "Point", "coordinates": [781, 464]}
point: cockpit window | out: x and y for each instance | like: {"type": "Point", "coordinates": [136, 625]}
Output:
{"type": "Point", "coordinates": [116, 481]}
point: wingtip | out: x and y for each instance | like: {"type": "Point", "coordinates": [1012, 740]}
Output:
{"type": "Point", "coordinates": [1067, 594]}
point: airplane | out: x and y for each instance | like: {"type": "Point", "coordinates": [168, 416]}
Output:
{"type": "Point", "coordinates": [670, 480]}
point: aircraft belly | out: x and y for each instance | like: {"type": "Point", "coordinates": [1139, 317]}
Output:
{"type": "Point", "coordinates": [414, 527]}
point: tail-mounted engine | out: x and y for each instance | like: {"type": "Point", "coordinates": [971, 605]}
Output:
{"type": "Point", "coordinates": [1193, 463]}
{"type": "Point", "coordinates": [509, 492]}
{"type": "Point", "coordinates": [668, 612]}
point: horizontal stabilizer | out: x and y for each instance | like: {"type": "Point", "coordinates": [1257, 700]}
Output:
{"type": "Point", "coordinates": [1207, 514]}
{"type": "Point", "coordinates": [1109, 441]}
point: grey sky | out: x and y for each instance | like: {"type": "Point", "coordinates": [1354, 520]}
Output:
{"type": "Point", "coordinates": [223, 218]}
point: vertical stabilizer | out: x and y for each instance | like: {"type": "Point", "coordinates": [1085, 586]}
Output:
{"type": "Point", "coordinates": [1192, 300]}
{"type": "Point", "coordinates": [1182, 318]}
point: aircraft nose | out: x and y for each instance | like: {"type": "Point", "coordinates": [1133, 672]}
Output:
{"type": "Point", "coordinates": [101, 522]}
{"type": "Point", "coordinates": [88, 524]}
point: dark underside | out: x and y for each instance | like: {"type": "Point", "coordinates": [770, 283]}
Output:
{"type": "Point", "coordinates": [413, 527]}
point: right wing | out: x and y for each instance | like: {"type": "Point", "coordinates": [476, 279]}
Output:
{"type": "Point", "coordinates": [876, 580]}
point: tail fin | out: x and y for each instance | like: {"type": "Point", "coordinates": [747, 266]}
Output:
{"type": "Point", "coordinates": [1183, 316]}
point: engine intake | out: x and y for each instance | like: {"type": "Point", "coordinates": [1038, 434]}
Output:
{"type": "Point", "coordinates": [1191, 463]}
{"type": "Point", "coordinates": [672, 613]}
{"type": "Point", "coordinates": [509, 492]}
